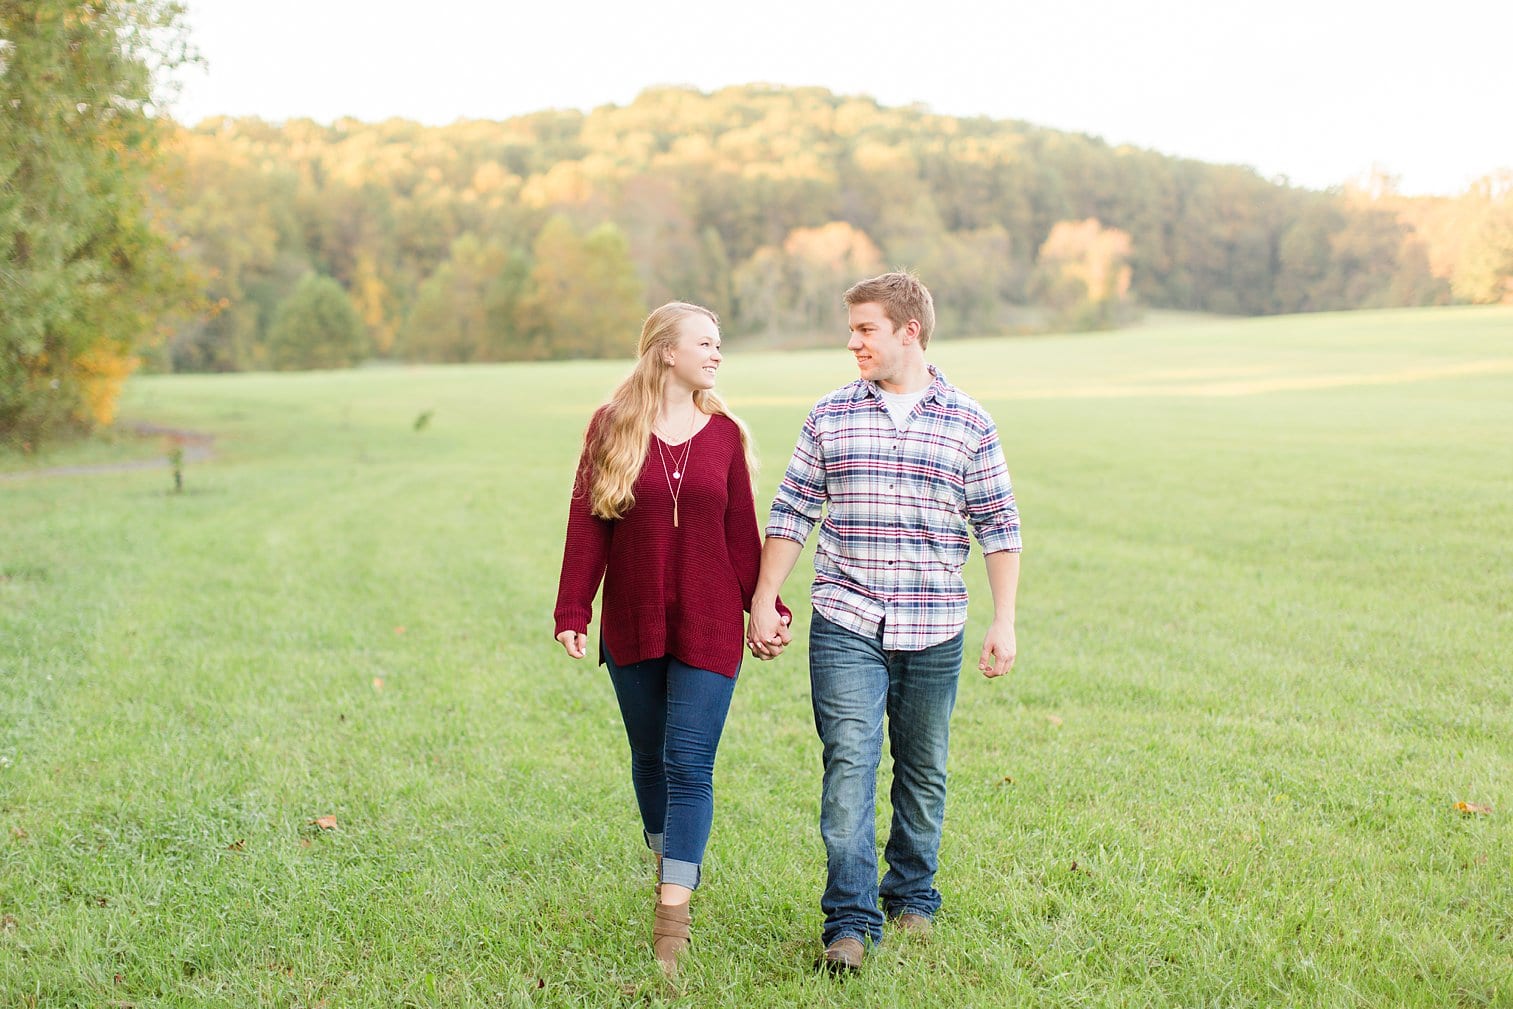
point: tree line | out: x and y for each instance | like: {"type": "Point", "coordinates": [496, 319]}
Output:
{"type": "Point", "coordinates": [240, 244]}
{"type": "Point", "coordinates": [548, 235]}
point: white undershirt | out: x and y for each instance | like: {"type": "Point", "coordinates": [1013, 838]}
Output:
{"type": "Point", "coordinates": [901, 404]}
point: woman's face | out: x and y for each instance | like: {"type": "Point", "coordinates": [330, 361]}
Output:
{"type": "Point", "coordinates": [696, 357]}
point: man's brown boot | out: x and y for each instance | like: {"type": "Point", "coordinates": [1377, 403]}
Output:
{"type": "Point", "coordinates": [914, 924]}
{"type": "Point", "coordinates": [843, 956]}
{"type": "Point", "coordinates": [669, 935]}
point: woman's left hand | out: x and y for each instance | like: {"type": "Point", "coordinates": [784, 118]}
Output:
{"type": "Point", "coordinates": [767, 634]}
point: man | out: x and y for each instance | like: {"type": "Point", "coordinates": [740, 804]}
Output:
{"type": "Point", "coordinates": [900, 463]}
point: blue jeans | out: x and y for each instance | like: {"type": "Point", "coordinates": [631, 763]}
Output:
{"type": "Point", "coordinates": [854, 681]}
{"type": "Point", "coordinates": [674, 714]}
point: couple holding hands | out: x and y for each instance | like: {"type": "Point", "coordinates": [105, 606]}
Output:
{"type": "Point", "coordinates": [894, 468]}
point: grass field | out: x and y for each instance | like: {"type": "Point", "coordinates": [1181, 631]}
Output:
{"type": "Point", "coordinates": [1266, 646]}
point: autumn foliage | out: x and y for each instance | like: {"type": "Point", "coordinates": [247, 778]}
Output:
{"type": "Point", "coordinates": [548, 235]}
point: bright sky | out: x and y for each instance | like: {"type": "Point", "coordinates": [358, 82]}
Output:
{"type": "Point", "coordinates": [1319, 91]}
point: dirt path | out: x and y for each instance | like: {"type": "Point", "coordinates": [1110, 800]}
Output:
{"type": "Point", "coordinates": [197, 445]}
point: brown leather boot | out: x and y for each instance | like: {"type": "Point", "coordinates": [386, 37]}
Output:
{"type": "Point", "coordinates": [669, 935]}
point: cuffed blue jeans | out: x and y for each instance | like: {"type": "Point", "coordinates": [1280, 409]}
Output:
{"type": "Point", "coordinates": [674, 714]}
{"type": "Point", "coordinates": [854, 682]}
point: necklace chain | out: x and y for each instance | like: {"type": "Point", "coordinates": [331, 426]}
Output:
{"type": "Point", "coordinates": [674, 477]}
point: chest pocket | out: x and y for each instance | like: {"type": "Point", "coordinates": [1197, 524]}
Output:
{"type": "Point", "coordinates": [936, 466]}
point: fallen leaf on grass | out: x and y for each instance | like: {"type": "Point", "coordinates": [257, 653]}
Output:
{"type": "Point", "coordinates": [325, 822]}
{"type": "Point", "coordinates": [8, 923]}
{"type": "Point", "coordinates": [378, 684]}
{"type": "Point", "coordinates": [304, 842]}
{"type": "Point", "coordinates": [238, 845]}
{"type": "Point", "coordinates": [1007, 780]}
{"type": "Point", "coordinates": [18, 833]}
{"type": "Point", "coordinates": [399, 630]}
{"type": "Point", "coordinates": [1053, 719]}
{"type": "Point", "coordinates": [1473, 808]}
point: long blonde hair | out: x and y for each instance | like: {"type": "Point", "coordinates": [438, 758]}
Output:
{"type": "Point", "coordinates": [618, 442]}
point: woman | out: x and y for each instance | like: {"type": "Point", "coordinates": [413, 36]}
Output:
{"type": "Point", "coordinates": [662, 511]}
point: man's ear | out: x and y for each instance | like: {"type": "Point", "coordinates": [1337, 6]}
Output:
{"type": "Point", "coordinates": [911, 331]}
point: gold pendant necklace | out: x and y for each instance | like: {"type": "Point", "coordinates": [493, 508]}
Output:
{"type": "Point", "coordinates": [674, 477]}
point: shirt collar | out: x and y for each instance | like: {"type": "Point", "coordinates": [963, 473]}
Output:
{"type": "Point", "coordinates": [936, 390]}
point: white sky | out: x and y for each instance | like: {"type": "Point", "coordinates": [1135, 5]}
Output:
{"type": "Point", "coordinates": [1319, 91]}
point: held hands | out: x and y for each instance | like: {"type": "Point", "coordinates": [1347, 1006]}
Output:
{"type": "Point", "coordinates": [998, 649]}
{"type": "Point", "coordinates": [575, 643]}
{"type": "Point", "coordinates": [767, 632]}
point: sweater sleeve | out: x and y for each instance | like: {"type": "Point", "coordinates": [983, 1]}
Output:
{"type": "Point", "coordinates": [585, 552]}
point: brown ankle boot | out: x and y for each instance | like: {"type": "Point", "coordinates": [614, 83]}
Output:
{"type": "Point", "coordinates": [669, 935]}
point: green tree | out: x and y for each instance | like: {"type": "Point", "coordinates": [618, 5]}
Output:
{"type": "Point", "coordinates": [87, 276]}
{"type": "Point", "coordinates": [466, 310]}
{"type": "Point", "coordinates": [317, 327]}
{"type": "Point", "coordinates": [242, 238]}
{"type": "Point", "coordinates": [583, 298]}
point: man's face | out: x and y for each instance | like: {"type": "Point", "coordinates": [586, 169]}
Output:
{"type": "Point", "coordinates": [878, 347]}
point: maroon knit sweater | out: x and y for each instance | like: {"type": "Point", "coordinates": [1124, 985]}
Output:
{"type": "Point", "coordinates": [668, 590]}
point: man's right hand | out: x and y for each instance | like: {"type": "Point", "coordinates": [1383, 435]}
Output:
{"type": "Point", "coordinates": [575, 643]}
{"type": "Point", "coordinates": [767, 631]}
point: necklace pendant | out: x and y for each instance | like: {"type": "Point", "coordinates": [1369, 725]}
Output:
{"type": "Point", "coordinates": [676, 475]}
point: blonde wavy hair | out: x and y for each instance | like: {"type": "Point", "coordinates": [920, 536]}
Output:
{"type": "Point", "coordinates": [617, 443]}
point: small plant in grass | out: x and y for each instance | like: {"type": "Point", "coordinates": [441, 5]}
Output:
{"type": "Point", "coordinates": [176, 460]}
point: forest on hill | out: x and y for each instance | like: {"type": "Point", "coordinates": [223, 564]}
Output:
{"type": "Point", "coordinates": [238, 244]}
{"type": "Point", "coordinates": [550, 235]}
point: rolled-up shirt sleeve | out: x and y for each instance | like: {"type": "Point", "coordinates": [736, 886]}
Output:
{"type": "Point", "coordinates": [800, 500]}
{"type": "Point", "coordinates": [990, 497]}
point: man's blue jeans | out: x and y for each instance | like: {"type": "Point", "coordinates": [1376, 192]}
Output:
{"type": "Point", "coordinates": [674, 714]}
{"type": "Point", "coordinates": [853, 683]}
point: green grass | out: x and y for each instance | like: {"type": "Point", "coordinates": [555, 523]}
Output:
{"type": "Point", "coordinates": [1266, 631]}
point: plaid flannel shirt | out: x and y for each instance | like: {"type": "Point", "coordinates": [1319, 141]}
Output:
{"type": "Point", "coordinates": [894, 536]}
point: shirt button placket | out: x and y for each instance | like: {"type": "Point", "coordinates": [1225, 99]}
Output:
{"type": "Point", "coordinates": [890, 607]}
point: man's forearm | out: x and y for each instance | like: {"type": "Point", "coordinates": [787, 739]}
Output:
{"type": "Point", "coordinates": [779, 555]}
{"type": "Point", "coordinates": [1003, 582]}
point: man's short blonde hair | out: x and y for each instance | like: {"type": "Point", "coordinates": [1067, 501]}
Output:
{"type": "Point", "coordinates": [902, 298]}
